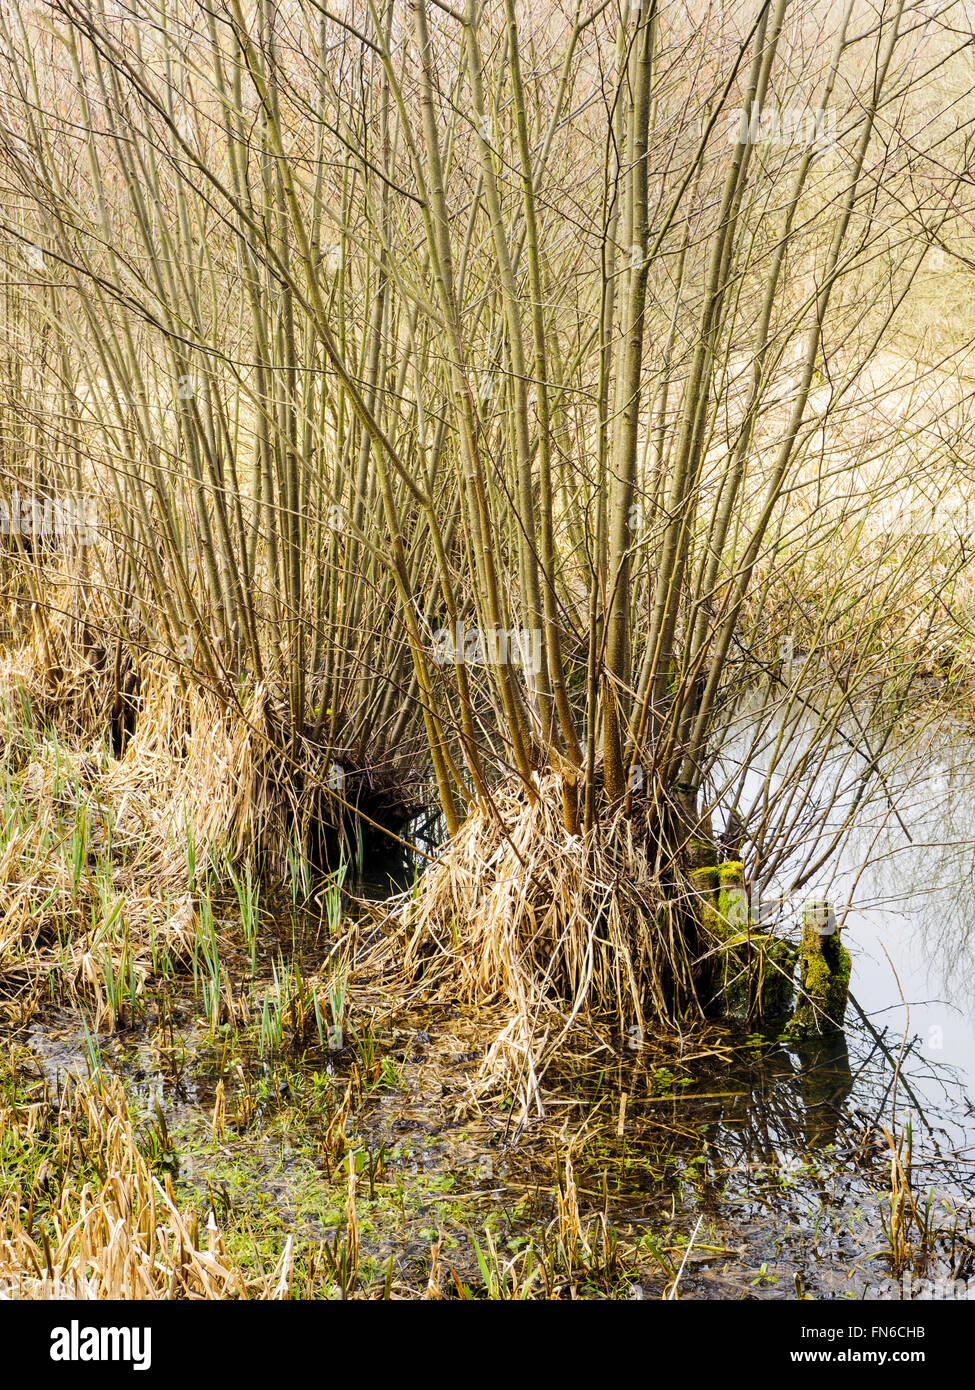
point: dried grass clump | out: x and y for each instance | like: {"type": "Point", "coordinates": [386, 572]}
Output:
{"type": "Point", "coordinates": [193, 762]}
{"type": "Point", "coordinates": [75, 671]}
{"type": "Point", "coordinates": [561, 930]}
{"type": "Point", "coordinates": [122, 1237]}
{"type": "Point", "coordinates": [196, 763]}
{"type": "Point", "coordinates": [86, 893]}
{"type": "Point", "coordinates": [235, 774]}
{"type": "Point", "coordinates": [172, 753]}
{"type": "Point", "coordinates": [101, 857]}
{"type": "Point", "coordinates": [97, 852]}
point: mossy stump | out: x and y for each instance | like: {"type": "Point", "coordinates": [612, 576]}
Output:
{"type": "Point", "coordinates": [824, 975]}
{"type": "Point", "coordinates": [752, 975]}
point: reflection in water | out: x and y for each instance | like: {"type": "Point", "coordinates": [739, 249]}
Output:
{"type": "Point", "coordinates": [825, 1082]}
{"type": "Point", "coordinates": [896, 855]}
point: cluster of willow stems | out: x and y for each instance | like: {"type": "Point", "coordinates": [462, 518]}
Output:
{"type": "Point", "coordinates": [368, 322]}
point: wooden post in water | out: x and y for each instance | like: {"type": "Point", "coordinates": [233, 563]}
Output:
{"type": "Point", "coordinates": [824, 973]}
{"type": "Point", "coordinates": [752, 969]}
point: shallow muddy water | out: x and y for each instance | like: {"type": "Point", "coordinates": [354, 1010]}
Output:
{"type": "Point", "coordinates": [730, 1168]}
